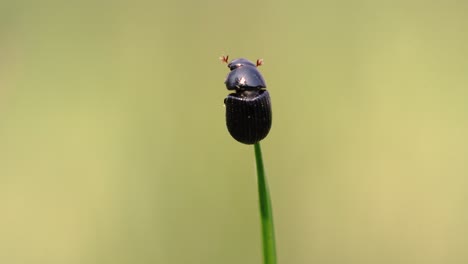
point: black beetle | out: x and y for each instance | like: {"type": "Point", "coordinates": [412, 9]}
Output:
{"type": "Point", "coordinates": [248, 109]}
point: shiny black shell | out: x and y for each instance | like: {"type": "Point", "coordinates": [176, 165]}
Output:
{"type": "Point", "coordinates": [244, 77]}
{"type": "Point", "coordinates": [248, 109]}
{"type": "Point", "coordinates": [248, 116]}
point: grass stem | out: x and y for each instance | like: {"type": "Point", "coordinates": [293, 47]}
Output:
{"type": "Point", "coordinates": [266, 213]}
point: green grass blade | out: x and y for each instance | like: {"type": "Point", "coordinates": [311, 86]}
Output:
{"type": "Point", "coordinates": [266, 213]}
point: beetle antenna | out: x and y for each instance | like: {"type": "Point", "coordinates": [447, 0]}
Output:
{"type": "Point", "coordinates": [224, 59]}
{"type": "Point", "coordinates": [259, 62]}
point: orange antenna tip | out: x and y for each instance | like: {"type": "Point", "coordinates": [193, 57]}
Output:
{"type": "Point", "coordinates": [259, 62]}
{"type": "Point", "coordinates": [224, 59]}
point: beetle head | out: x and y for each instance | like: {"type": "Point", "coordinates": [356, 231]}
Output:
{"type": "Point", "coordinates": [236, 63]}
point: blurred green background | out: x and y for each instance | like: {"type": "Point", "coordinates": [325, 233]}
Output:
{"type": "Point", "coordinates": [113, 146]}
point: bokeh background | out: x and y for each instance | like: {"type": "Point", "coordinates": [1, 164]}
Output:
{"type": "Point", "coordinates": [113, 146]}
